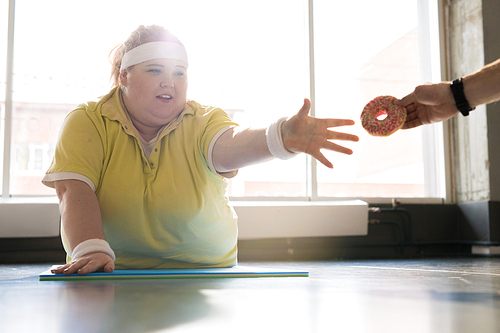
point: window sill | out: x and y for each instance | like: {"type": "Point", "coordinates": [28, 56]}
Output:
{"type": "Point", "coordinates": [29, 217]}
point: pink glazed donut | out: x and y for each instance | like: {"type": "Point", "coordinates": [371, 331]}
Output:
{"type": "Point", "coordinates": [380, 106]}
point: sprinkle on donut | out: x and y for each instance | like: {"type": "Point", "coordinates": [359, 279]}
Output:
{"type": "Point", "coordinates": [381, 117]}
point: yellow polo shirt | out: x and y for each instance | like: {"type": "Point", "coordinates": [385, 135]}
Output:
{"type": "Point", "coordinates": [168, 211]}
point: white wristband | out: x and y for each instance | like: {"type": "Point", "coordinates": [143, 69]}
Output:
{"type": "Point", "coordinates": [275, 141]}
{"type": "Point", "coordinates": [92, 246]}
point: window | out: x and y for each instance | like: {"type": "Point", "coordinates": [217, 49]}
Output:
{"type": "Point", "coordinates": [363, 51]}
{"type": "Point", "coordinates": [251, 58]}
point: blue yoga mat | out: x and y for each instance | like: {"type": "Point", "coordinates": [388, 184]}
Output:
{"type": "Point", "coordinates": [192, 273]}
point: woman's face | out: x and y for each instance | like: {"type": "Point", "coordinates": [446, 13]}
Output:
{"type": "Point", "coordinates": [154, 92]}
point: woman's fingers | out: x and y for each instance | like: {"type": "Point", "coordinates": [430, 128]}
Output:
{"type": "Point", "coordinates": [60, 269]}
{"type": "Point", "coordinates": [331, 135]}
{"type": "Point", "coordinates": [338, 122]}
{"type": "Point", "coordinates": [93, 262]}
{"type": "Point", "coordinates": [322, 159]}
{"type": "Point", "coordinates": [337, 148]}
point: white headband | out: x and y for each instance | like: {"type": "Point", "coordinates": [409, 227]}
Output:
{"type": "Point", "coordinates": [153, 50]}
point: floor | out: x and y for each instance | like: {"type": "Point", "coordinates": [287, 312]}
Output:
{"type": "Point", "coordinates": [451, 295]}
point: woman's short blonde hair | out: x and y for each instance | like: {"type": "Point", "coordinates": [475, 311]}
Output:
{"type": "Point", "coordinates": [143, 34]}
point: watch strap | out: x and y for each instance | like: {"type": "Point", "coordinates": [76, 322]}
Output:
{"type": "Point", "coordinates": [457, 88]}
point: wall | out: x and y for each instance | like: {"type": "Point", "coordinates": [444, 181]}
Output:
{"type": "Point", "coordinates": [491, 28]}
{"type": "Point", "coordinates": [474, 42]}
{"type": "Point", "coordinates": [470, 140]}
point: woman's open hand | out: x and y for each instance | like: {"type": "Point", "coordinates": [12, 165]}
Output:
{"type": "Point", "coordinates": [306, 134]}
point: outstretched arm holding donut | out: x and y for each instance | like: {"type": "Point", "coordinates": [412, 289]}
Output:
{"type": "Point", "coordinates": [430, 103]}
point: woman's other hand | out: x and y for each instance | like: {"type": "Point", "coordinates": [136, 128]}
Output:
{"type": "Point", "coordinates": [94, 262]}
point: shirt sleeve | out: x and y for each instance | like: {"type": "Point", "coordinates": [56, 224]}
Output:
{"type": "Point", "coordinates": [211, 150]}
{"type": "Point", "coordinates": [50, 178]}
{"type": "Point", "coordinates": [218, 122]}
{"type": "Point", "coordinates": [79, 149]}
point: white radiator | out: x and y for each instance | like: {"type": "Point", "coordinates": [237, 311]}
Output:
{"type": "Point", "coordinates": [301, 219]}
{"type": "Point", "coordinates": [29, 217]}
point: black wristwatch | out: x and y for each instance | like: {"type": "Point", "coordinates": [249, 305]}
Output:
{"type": "Point", "coordinates": [457, 88]}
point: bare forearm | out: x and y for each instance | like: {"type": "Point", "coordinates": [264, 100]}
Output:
{"type": "Point", "coordinates": [483, 86]}
{"type": "Point", "coordinates": [80, 212]}
{"type": "Point", "coordinates": [238, 148]}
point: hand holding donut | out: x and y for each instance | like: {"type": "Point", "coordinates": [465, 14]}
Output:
{"type": "Point", "coordinates": [429, 103]}
{"type": "Point", "coordinates": [381, 117]}
{"type": "Point", "coordinates": [303, 133]}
